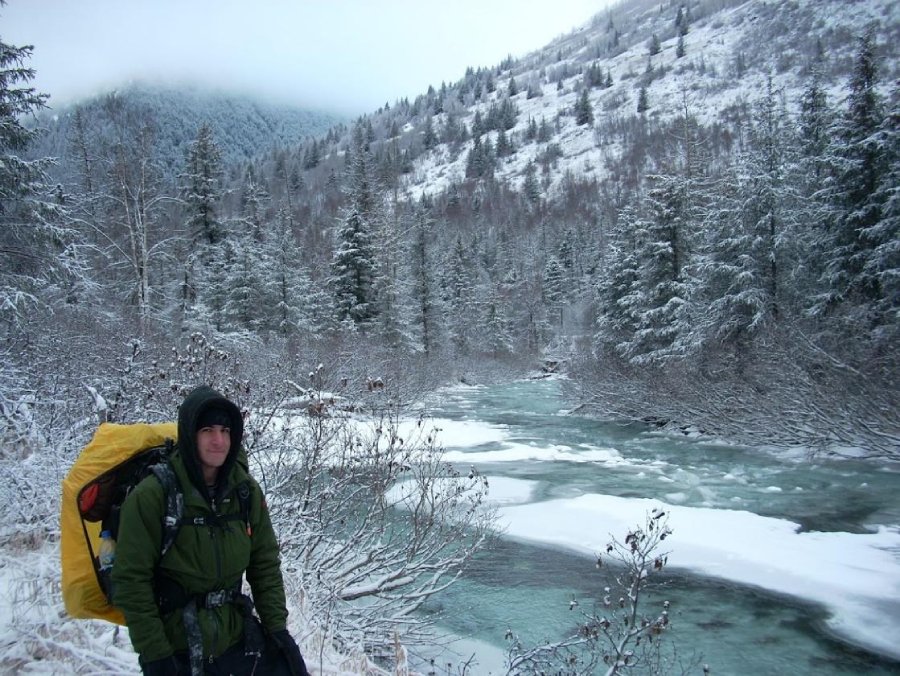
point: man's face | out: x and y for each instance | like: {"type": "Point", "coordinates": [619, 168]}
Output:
{"type": "Point", "coordinates": [213, 444]}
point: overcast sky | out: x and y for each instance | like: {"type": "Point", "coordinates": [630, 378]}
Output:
{"type": "Point", "coordinates": [349, 56]}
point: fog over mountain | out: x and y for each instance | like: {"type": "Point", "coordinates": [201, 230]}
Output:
{"type": "Point", "coordinates": [346, 58]}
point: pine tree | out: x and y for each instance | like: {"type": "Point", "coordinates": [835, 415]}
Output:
{"type": "Point", "coordinates": [481, 158]}
{"type": "Point", "coordinates": [861, 161]}
{"type": "Point", "coordinates": [353, 271]}
{"type": "Point", "coordinates": [768, 208]}
{"type": "Point", "coordinates": [883, 265]}
{"type": "Point", "coordinates": [584, 112]}
{"type": "Point", "coordinates": [353, 282]}
{"type": "Point", "coordinates": [459, 290]}
{"type": "Point", "coordinates": [201, 194]}
{"type": "Point", "coordinates": [619, 294]}
{"type": "Point", "coordinates": [311, 156]}
{"type": "Point", "coordinates": [394, 311]}
{"type": "Point", "coordinates": [815, 121]}
{"type": "Point", "coordinates": [664, 249]}
{"type": "Point", "coordinates": [554, 287]}
{"type": "Point", "coordinates": [294, 305]}
{"type": "Point", "coordinates": [37, 253]}
{"type": "Point", "coordinates": [531, 187]}
{"type": "Point", "coordinates": [642, 103]}
{"type": "Point", "coordinates": [426, 297]}
{"type": "Point", "coordinates": [214, 290]}
{"type": "Point", "coordinates": [254, 203]}
{"type": "Point", "coordinates": [545, 131]}
{"type": "Point", "coordinates": [497, 338]}
{"type": "Point", "coordinates": [245, 299]}
{"type": "Point", "coordinates": [503, 146]}
{"type": "Point", "coordinates": [429, 137]}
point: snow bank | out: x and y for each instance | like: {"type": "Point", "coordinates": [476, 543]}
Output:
{"type": "Point", "coordinates": [855, 576]}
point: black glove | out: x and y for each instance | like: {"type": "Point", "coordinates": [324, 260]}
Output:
{"type": "Point", "coordinates": [291, 652]}
{"type": "Point", "coordinates": [167, 666]}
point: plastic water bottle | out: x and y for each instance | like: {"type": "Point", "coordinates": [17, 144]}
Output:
{"type": "Point", "coordinates": [107, 551]}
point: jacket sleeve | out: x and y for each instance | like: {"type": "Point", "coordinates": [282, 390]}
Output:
{"type": "Point", "coordinates": [264, 571]}
{"type": "Point", "coordinates": [137, 555]}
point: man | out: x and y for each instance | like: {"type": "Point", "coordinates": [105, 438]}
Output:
{"type": "Point", "coordinates": [184, 610]}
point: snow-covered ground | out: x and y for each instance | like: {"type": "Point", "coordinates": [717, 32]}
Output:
{"type": "Point", "coordinates": [39, 639]}
{"type": "Point", "coordinates": [855, 576]}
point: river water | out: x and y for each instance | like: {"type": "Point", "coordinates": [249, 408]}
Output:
{"type": "Point", "coordinates": [783, 560]}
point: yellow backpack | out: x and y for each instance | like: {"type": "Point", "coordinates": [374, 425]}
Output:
{"type": "Point", "coordinates": [116, 459]}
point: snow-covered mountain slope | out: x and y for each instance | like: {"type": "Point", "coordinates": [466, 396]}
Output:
{"type": "Point", "coordinates": [730, 50]}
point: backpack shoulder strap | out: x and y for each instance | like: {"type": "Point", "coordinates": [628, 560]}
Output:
{"type": "Point", "coordinates": [174, 503]}
{"type": "Point", "coordinates": [243, 496]}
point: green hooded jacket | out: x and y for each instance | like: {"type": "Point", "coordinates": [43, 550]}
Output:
{"type": "Point", "coordinates": [202, 558]}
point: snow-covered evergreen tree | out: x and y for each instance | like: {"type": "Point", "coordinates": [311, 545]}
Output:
{"type": "Point", "coordinates": [750, 255]}
{"type": "Point", "coordinates": [36, 246]}
{"type": "Point", "coordinates": [246, 303]}
{"type": "Point", "coordinates": [584, 111]}
{"type": "Point", "coordinates": [201, 189]}
{"type": "Point", "coordinates": [554, 285]}
{"type": "Point", "coordinates": [354, 264]}
{"type": "Point", "coordinates": [459, 297]}
{"type": "Point", "coordinates": [860, 155]}
{"type": "Point", "coordinates": [497, 337]}
{"type": "Point", "coordinates": [296, 307]}
{"type": "Point", "coordinates": [618, 291]}
{"type": "Point", "coordinates": [353, 271]}
{"type": "Point", "coordinates": [201, 193]}
{"type": "Point", "coordinates": [664, 250]}
{"type": "Point", "coordinates": [883, 265]}
{"type": "Point", "coordinates": [426, 298]}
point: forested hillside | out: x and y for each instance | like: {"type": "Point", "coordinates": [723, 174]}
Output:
{"type": "Point", "coordinates": [244, 127]}
{"type": "Point", "coordinates": [650, 196]}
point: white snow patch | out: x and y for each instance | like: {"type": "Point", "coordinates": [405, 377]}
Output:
{"type": "Point", "coordinates": [855, 576]}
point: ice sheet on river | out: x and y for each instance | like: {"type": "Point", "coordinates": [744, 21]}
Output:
{"type": "Point", "coordinates": [855, 576]}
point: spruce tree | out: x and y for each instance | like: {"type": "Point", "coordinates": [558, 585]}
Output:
{"type": "Point", "coordinates": [37, 253]}
{"type": "Point", "coordinates": [353, 271]}
{"type": "Point", "coordinates": [353, 282]}
{"type": "Point", "coordinates": [642, 103]}
{"type": "Point", "coordinates": [429, 136]}
{"type": "Point", "coordinates": [497, 338]}
{"type": "Point", "coordinates": [554, 287]}
{"type": "Point", "coordinates": [664, 250]}
{"type": "Point", "coordinates": [584, 112]}
{"type": "Point", "coordinates": [531, 187]}
{"type": "Point", "coordinates": [619, 293]}
{"type": "Point", "coordinates": [459, 291]}
{"type": "Point", "coordinates": [861, 155]}
{"type": "Point", "coordinates": [201, 193]}
{"type": "Point", "coordinates": [425, 292]}
{"type": "Point", "coordinates": [295, 306]}
{"type": "Point", "coordinates": [246, 302]}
